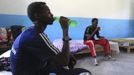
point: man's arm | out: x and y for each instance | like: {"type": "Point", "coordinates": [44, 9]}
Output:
{"type": "Point", "coordinates": [98, 34]}
{"type": "Point", "coordinates": [63, 57]}
{"type": "Point", "coordinates": [89, 33]}
{"type": "Point", "coordinates": [86, 34]}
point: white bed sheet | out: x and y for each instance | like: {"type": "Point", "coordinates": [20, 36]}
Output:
{"type": "Point", "coordinates": [6, 54]}
{"type": "Point", "coordinates": [75, 45]}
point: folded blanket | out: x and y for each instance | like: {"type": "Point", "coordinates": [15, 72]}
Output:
{"type": "Point", "coordinates": [130, 41]}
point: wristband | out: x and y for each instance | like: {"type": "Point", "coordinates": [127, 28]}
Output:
{"type": "Point", "coordinates": [66, 39]}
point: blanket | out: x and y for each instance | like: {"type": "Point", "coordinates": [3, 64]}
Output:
{"type": "Point", "coordinates": [75, 45]}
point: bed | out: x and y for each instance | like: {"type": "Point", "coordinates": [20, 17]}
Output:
{"type": "Point", "coordinates": [77, 46]}
{"type": "Point", "coordinates": [127, 43]}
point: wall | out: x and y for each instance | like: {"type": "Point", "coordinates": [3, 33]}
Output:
{"type": "Point", "coordinates": [115, 16]}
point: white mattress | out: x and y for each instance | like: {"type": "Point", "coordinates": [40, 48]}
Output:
{"type": "Point", "coordinates": [6, 54]}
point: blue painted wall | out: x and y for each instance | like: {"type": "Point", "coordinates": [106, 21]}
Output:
{"type": "Point", "coordinates": [110, 28]}
{"type": "Point", "coordinates": [8, 20]}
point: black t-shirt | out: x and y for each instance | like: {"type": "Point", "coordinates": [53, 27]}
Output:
{"type": "Point", "coordinates": [89, 30]}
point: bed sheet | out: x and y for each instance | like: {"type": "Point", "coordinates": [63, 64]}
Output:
{"type": "Point", "coordinates": [75, 45]}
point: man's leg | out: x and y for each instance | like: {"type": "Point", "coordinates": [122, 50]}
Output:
{"type": "Point", "coordinates": [107, 50]}
{"type": "Point", "coordinates": [63, 71]}
{"type": "Point", "coordinates": [90, 44]}
{"type": "Point", "coordinates": [75, 71]}
{"type": "Point", "coordinates": [105, 45]}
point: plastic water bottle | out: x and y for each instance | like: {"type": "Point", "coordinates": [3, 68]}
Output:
{"type": "Point", "coordinates": [71, 23]}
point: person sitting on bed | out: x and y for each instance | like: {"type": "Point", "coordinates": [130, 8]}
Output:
{"type": "Point", "coordinates": [90, 41]}
{"type": "Point", "coordinates": [32, 52]}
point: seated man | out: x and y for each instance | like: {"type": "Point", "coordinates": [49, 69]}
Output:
{"type": "Point", "coordinates": [89, 39]}
{"type": "Point", "coordinates": [33, 54]}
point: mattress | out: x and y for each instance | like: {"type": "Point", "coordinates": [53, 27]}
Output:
{"type": "Point", "coordinates": [124, 41]}
{"type": "Point", "coordinates": [75, 45]}
{"type": "Point", "coordinates": [78, 46]}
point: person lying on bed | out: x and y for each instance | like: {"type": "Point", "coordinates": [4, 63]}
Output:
{"type": "Point", "coordinates": [89, 39]}
{"type": "Point", "coordinates": [33, 54]}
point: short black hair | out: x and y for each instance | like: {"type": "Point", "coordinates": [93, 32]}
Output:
{"type": "Point", "coordinates": [35, 8]}
{"type": "Point", "coordinates": [94, 19]}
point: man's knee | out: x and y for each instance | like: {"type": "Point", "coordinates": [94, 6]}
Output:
{"type": "Point", "coordinates": [88, 42]}
{"type": "Point", "coordinates": [105, 41]}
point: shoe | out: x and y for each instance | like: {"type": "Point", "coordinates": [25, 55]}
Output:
{"type": "Point", "coordinates": [95, 62]}
{"type": "Point", "coordinates": [108, 57]}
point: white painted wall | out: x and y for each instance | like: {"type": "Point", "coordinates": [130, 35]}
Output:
{"type": "Point", "coordinates": [116, 9]}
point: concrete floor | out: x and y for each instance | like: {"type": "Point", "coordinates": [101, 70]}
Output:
{"type": "Point", "coordinates": [124, 65]}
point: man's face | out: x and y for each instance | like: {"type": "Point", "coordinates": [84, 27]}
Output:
{"type": "Point", "coordinates": [45, 16]}
{"type": "Point", "coordinates": [95, 23]}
